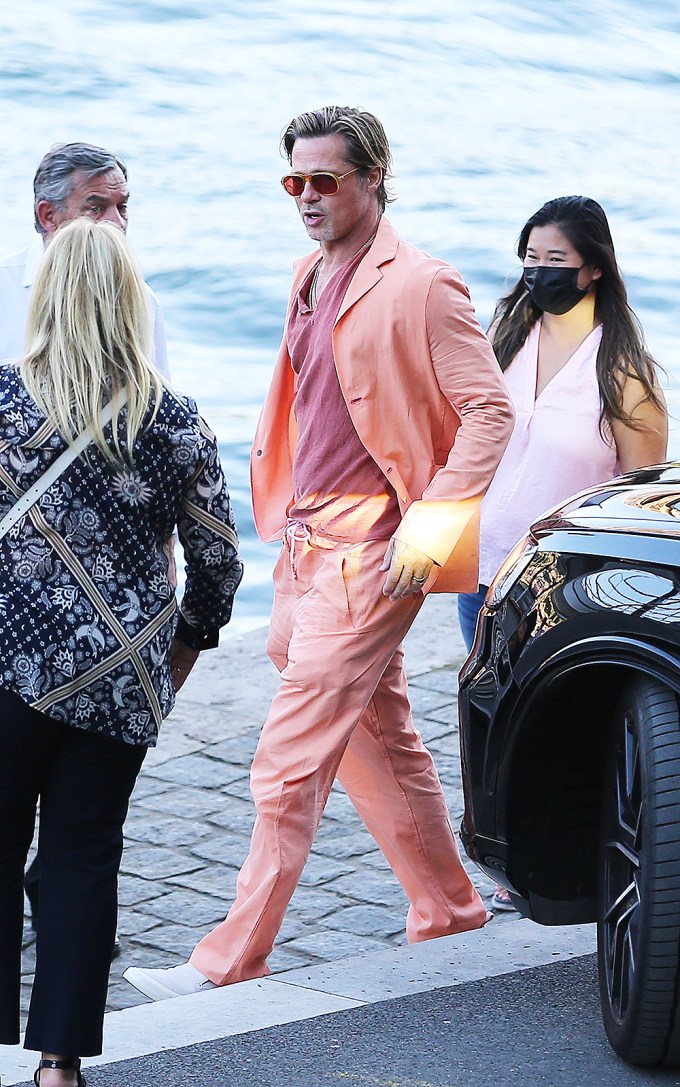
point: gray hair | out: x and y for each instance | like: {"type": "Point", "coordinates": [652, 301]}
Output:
{"type": "Point", "coordinates": [365, 139]}
{"type": "Point", "coordinates": [52, 179]}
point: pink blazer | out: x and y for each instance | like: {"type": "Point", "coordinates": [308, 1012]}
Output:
{"type": "Point", "coordinates": [425, 395]}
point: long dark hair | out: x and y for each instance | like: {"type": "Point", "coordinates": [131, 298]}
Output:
{"type": "Point", "coordinates": [622, 352]}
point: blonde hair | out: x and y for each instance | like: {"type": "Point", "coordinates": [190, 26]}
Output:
{"type": "Point", "coordinates": [89, 336]}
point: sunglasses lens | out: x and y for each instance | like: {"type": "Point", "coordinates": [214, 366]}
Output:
{"type": "Point", "coordinates": [293, 184]}
{"type": "Point", "coordinates": [325, 184]}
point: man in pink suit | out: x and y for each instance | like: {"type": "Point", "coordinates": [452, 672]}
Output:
{"type": "Point", "coordinates": [386, 418]}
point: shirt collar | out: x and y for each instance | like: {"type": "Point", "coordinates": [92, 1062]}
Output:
{"type": "Point", "coordinates": [33, 257]}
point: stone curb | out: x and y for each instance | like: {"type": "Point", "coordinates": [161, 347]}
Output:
{"type": "Point", "coordinates": [300, 994]}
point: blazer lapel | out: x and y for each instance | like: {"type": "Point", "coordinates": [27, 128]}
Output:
{"type": "Point", "coordinates": [368, 273]}
{"type": "Point", "coordinates": [301, 268]}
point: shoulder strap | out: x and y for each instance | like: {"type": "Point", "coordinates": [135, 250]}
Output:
{"type": "Point", "coordinates": [31, 496]}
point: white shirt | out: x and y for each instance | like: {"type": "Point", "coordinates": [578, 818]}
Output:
{"type": "Point", "coordinates": [17, 272]}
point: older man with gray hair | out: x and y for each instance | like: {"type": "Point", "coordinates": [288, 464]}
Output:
{"type": "Point", "coordinates": [73, 179]}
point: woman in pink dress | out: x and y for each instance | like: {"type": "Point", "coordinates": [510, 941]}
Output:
{"type": "Point", "coordinates": [584, 386]}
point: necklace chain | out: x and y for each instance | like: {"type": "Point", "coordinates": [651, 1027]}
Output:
{"type": "Point", "coordinates": [312, 298]}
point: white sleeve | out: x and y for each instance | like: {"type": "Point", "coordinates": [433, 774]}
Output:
{"type": "Point", "coordinates": [160, 350]}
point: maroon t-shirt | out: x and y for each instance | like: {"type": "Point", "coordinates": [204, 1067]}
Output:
{"type": "Point", "coordinates": [338, 488]}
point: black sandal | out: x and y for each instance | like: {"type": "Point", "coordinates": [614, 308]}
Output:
{"type": "Point", "coordinates": [70, 1065]}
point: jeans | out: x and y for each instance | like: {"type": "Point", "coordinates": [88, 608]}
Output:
{"type": "Point", "coordinates": [469, 605]}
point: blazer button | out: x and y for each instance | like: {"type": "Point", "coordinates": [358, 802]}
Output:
{"type": "Point", "coordinates": [258, 453]}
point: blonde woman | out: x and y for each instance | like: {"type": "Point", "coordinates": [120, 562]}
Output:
{"type": "Point", "coordinates": [92, 649]}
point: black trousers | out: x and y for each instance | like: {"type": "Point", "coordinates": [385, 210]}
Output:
{"type": "Point", "coordinates": [84, 782]}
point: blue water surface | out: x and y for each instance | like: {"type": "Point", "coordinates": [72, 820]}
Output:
{"type": "Point", "coordinates": [491, 108]}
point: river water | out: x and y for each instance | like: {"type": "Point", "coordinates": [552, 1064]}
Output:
{"type": "Point", "coordinates": [492, 108]}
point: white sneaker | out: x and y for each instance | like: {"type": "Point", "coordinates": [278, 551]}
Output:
{"type": "Point", "coordinates": [164, 984]}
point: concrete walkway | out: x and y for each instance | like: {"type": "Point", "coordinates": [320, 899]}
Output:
{"type": "Point", "coordinates": [188, 831]}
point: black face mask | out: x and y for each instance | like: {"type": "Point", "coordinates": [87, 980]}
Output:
{"type": "Point", "coordinates": [554, 290]}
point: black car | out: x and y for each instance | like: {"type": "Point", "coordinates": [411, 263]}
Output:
{"type": "Point", "coordinates": [570, 736]}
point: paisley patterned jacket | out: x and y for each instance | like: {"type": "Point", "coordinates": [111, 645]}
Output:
{"type": "Point", "coordinates": [87, 613]}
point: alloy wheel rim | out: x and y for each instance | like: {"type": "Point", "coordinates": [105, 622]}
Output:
{"type": "Point", "coordinates": [622, 900]}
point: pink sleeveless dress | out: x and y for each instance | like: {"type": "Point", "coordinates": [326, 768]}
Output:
{"type": "Point", "coordinates": [556, 448]}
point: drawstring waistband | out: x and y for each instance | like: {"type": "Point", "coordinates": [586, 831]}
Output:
{"type": "Point", "coordinates": [296, 530]}
{"type": "Point", "coordinates": [296, 537]}
{"type": "Point", "coordinates": [299, 537]}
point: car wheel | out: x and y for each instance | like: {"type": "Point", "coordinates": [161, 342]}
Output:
{"type": "Point", "coordinates": [638, 930]}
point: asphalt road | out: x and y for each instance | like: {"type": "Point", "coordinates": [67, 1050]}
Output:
{"type": "Point", "coordinates": [533, 1027]}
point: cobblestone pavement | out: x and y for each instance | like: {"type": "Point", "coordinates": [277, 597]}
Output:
{"type": "Point", "coordinates": [191, 816]}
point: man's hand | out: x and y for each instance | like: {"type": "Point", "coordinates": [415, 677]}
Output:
{"type": "Point", "coordinates": [182, 660]}
{"type": "Point", "coordinates": [408, 569]}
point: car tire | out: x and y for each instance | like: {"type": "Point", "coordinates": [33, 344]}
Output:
{"type": "Point", "coordinates": [638, 929]}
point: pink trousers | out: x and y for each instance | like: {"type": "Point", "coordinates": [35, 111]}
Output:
{"type": "Point", "coordinates": [341, 710]}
